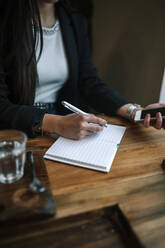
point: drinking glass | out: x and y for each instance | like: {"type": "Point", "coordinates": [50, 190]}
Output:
{"type": "Point", "coordinates": [12, 155]}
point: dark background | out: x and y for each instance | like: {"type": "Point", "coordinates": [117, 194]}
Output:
{"type": "Point", "coordinates": [128, 44]}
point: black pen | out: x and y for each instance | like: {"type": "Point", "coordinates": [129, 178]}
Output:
{"type": "Point", "coordinates": [75, 109]}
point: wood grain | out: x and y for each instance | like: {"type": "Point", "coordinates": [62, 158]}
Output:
{"type": "Point", "coordinates": [92, 229]}
{"type": "Point", "coordinates": [145, 210]}
{"type": "Point", "coordinates": [135, 186]}
{"type": "Point", "coordinates": [140, 154]}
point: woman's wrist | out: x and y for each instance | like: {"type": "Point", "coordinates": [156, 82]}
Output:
{"type": "Point", "coordinates": [47, 123]}
{"type": "Point", "coordinates": [50, 123]}
{"type": "Point", "coordinates": [128, 110]}
{"type": "Point", "coordinates": [123, 109]}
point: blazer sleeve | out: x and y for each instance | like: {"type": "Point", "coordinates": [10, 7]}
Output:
{"type": "Point", "coordinates": [97, 94]}
{"type": "Point", "coordinates": [15, 116]}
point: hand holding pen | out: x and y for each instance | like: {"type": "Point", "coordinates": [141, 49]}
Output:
{"type": "Point", "coordinates": [77, 110]}
{"type": "Point", "coordinates": [82, 124]}
{"type": "Point", "coordinates": [72, 126]}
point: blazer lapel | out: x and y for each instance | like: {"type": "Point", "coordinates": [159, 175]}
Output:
{"type": "Point", "coordinates": [69, 43]}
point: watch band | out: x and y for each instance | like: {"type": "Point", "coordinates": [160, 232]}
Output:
{"type": "Point", "coordinates": [130, 110]}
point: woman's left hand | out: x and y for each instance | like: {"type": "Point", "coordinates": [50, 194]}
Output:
{"type": "Point", "coordinates": [159, 122]}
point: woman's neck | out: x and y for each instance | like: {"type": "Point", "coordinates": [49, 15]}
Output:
{"type": "Point", "coordinates": [47, 13]}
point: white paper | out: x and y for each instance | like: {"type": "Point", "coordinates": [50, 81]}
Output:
{"type": "Point", "coordinates": [96, 151]}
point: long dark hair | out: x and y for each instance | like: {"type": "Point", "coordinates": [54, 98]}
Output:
{"type": "Point", "coordinates": [19, 23]}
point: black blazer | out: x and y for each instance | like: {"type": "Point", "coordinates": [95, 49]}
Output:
{"type": "Point", "coordinates": [83, 79]}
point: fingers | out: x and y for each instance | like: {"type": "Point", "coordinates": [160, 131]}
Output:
{"type": "Point", "coordinates": [91, 123]}
{"type": "Point", "coordinates": [76, 127]}
{"type": "Point", "coordinates": [90, 118]}
{"type": "Point", "coordinates": [147, 121]}
{"type": "Point", "coordinates": [158, 123]}
{"type": "Point", "coordinates": [84, 133]}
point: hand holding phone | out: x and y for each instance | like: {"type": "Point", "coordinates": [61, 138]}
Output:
{"type": "Point", "coordinates": [140, 114]}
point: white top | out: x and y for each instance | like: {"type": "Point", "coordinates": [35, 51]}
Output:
{"type": "Point", "coordinates": [52, 66]}
{"type": "Point", "coordinates": [162, 91]}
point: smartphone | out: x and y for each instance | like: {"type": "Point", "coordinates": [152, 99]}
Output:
{"type": "Point", "coordinates": [140, 114]}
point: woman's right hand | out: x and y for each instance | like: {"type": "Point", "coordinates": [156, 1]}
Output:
{"type": "Point", "coordinates": [72, 126]}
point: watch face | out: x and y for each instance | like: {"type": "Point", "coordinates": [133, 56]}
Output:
{"type": "Point", "coordinates": [137, 105]}
{"type": "Point", "coordinates": [130, 110]}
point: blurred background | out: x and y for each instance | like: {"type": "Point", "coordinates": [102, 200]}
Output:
{"type": "Point", "coordinates": [128, 45]}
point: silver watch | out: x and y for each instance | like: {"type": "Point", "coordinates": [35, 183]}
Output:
{"type": "Point", "coordinates": [130, 110]}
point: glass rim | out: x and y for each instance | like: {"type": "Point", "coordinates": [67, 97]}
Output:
{"type": "Point", "coordinates": [11, 132]}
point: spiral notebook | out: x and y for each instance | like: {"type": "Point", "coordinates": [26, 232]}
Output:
{"type": "Point", "coordinates": [95, 151]}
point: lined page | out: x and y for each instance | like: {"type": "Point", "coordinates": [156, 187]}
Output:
{"type": "Point", "coordinates": [96, 150]}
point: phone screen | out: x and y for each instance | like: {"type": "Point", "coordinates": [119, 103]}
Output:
{"type": "Point", "coordinates": [152, 112]}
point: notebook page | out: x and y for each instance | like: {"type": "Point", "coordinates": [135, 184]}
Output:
{"type": "Point", "coordinates": [85, 165]}
{"type": "Point", "coordinates": [94, 150]}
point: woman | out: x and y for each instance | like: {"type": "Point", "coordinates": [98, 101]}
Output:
{"type": "Point", "coordinates": [44, 59]}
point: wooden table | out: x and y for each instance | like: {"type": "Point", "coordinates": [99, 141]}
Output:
{"type": "Point", "coordinates": [132, 195]}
